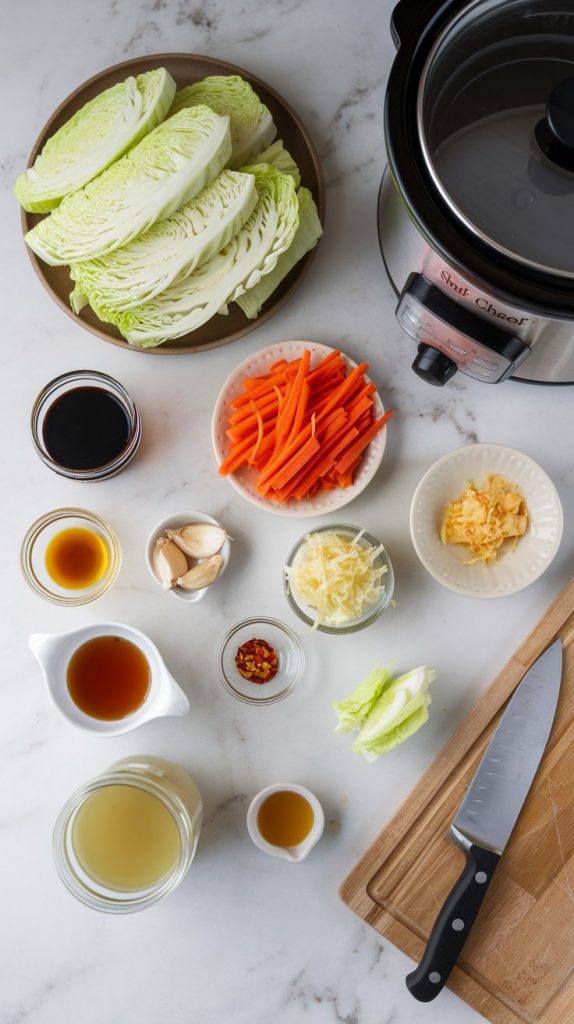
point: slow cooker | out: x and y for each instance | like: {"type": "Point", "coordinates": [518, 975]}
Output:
{"type": "Point", "coordinates": [476, 207]}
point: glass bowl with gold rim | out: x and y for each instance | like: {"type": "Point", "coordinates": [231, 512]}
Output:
{"type": "Point", "coordinates": [36, 547]}
{"type": "Point", "coordinates": [287, 647]}
{"type": "Point", "coordinates": [372, 611]}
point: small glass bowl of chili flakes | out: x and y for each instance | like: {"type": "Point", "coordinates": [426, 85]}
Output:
{"type": "Point", "coordinates": [260, 661]}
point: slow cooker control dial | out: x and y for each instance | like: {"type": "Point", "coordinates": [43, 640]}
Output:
{"type": "Point", "coordinates": [433, 366]}
{"type": "Point", "coordinates": [451, 336]}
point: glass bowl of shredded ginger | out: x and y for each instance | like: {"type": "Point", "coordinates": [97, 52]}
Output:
{"type": "Point", "coordinates": [338, 578]}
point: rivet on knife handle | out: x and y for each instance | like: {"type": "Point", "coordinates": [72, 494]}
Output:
{"type": "Point", "coordinates": [453, 924]}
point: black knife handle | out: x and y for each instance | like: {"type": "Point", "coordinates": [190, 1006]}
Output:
{"type": "Point", "coordinates": [452, 926]}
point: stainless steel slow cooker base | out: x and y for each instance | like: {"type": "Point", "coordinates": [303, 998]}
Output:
{"type": "Point", "coordinates": [406, 253]}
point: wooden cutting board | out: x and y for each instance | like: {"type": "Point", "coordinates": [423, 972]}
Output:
{"type": "Point", "coordinates": [518, 964]}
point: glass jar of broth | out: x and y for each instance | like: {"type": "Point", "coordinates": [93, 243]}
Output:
{"type": "Point", "coordinates": [127, 838]}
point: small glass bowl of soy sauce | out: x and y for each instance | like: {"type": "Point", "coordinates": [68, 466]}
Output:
{"type": "Point", "coordinates": [85, 425]}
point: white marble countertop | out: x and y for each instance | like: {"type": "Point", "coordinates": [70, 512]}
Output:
{"type": "Point", "coordinates": [246, 938]}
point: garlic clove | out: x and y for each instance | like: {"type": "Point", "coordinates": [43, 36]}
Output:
{"type": "Point", "coordinates": [201, 575]}
{"type": "Point", "coordinates": [199, 540]}
{"type": "Point", "coordinates": [169, 562]}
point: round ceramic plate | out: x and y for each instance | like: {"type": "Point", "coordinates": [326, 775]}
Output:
{"type": "Point", "coordinates": [186, 69]}
{"type": "Point", "coordinates": [516, 567]}
{"type": "Point", "coordinates": [245, 479]}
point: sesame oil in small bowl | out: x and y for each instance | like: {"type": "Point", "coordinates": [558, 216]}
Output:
{"type": "Point", "coordinates": [76, 558]}
{"type": "Point", "coordinates": [70, 556]}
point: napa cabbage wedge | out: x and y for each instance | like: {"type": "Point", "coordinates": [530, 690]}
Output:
{"type": "Point", "coordinates": [397, 714]}
{"type": "Point", "coordinates": [306, 237]}
{"type": "Point", "coordinates": [170, 250]}
{"type": "Point", "coordinates": [166, 169]}
{"type": "Point", "coordinates": [94, 137]}
{"type": "Point", "coordinates": [252, 127]}
{"type": "Point", "coordinates": [354, 710]}
{"type": "Point", "coordinates": [252, 253]}
{"type": "Point", "coordinates": [281, 159]}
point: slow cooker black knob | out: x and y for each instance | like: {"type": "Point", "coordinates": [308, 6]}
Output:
{"type": "Point", "coordinates": [433, 366]}
{"type": "Point", "coordinates": [555, 132]}
{"type": "Point", "coordinates": [560, 112]}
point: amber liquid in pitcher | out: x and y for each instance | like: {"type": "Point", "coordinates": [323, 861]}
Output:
{"type": "Point", "coordinates": [76, 558]}
{"type": "Point", "coordinates": [285, 818]}
{"type": "Point", "coordinates": [108, 677]}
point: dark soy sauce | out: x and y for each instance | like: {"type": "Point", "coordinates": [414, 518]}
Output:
{"type": "Point", "coordinates": [85, 428]}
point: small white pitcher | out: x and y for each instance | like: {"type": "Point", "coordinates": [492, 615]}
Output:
{"type": "Point", "coordinates": [290, 853]}
{"type": "Point", "coordinates": [54, 650]}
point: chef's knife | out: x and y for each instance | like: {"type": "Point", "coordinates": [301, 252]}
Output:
{"type": "Point", "coordinates": [488, 814]}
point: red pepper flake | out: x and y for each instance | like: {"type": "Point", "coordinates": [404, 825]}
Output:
{"type": "Point", "coordinates": [257, 661]}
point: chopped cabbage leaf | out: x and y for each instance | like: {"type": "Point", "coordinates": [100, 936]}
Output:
{"type": "Point", "coordinates": [252, 127]}
{"type": "Point", "coordinates": [336, 576]}
{"type": "Point", "coordinates": [96, 135]}
{"type": "Point", "coordinates": [279, 157]}
{"type": "Point", "coordinates": [398, 713]}
{"type": "Point", "coordinates": [167, 168]}
{"type": "Point", "coordinates": [484, 517]}
{"type": "Point", "coordinates": [169, 251]}
{"type": "Point", "coordinates": [252, 253]}
{"type": "Point", "coordinates": [306, 237]}
{"type": "Point", "coordinates": [403, 731]}
{"type": "Point", "coordinates": [354, 710]}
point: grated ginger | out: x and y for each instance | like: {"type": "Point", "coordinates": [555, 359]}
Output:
{"type": "Point", "coordinates": [484, 517]}
{"type": "Point", "coordinates": [336, 577]}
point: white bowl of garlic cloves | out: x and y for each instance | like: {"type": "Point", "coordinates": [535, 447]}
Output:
{"type": "Point", "coordinates": [186, 553]}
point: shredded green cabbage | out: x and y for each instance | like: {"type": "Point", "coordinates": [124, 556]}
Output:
{"type": "Point", "coordinates": [167, 168]}
{"type": "Point", "coordinates": [252, 127]}
{"type": "Point", "coordinates": [96, 135]}
{"type": "Point", "coordinates": [169, 251]}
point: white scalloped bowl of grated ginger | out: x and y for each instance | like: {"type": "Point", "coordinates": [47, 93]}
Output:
{"type": "Point", "coordinates": [519, 562]}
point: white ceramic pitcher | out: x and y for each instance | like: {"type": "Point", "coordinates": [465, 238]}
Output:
{"type": "Point", "coordinates": [297, 853]}
{"type": "Point", "coordinates": [54, 650]}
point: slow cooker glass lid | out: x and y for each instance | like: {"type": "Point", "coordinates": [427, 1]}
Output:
{"type": "Point", "coordinates": [495, 115]}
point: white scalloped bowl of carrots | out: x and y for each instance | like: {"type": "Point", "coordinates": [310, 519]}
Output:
{"type": "Point", "coordinates": [299, 429]}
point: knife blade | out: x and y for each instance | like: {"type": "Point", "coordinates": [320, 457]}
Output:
{"type": "Point", "coordinates": [486, 817]}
